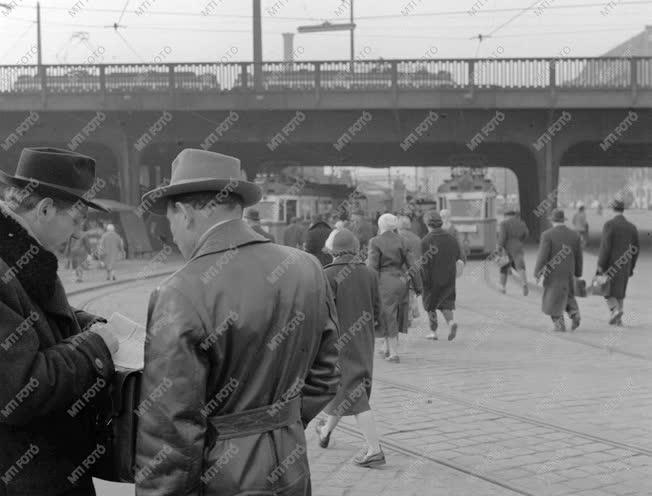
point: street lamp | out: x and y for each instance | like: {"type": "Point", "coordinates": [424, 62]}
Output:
{"type": "Point", "coordinates": [329, 26]}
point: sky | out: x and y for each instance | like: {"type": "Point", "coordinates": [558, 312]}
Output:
{"type": "Point", "coordinates": [81, 31]}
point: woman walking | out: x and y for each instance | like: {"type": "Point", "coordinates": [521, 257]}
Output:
{"type": "Point", "coordinates": [355, 288]}
{"type": "Point", "coordinates": [111, 249]}
{"type": "Point", "coordinates": [390, 257]}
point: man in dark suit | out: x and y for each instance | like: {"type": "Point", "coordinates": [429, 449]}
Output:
{"type": "Point", "coordinates": [558, 262]}
{"type": "Point", "coordinates": [619, 249]}
{"type": "Point", "coordinates": [511, 235]}
{"type": "Point", "coordinates": [315, 238]}
{"type": "Point", "coordinates": [252, 216]}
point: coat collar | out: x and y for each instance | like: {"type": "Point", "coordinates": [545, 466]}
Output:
{"type": "Point", "coordinates": [38, 277]}
{"type": "Point", "coordinates": [346, 260]}
{"type": "Point", "coordinates": [227, 236]}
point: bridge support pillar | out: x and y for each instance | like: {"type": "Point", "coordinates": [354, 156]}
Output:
{"type": "Point", "coordinates": [129, 167]}
{"type": "Point", "coordinates": [543, 198]}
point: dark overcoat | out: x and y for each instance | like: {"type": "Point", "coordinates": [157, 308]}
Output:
{"type": "Point", "coordinates": [48, 367]}
{"type": "Point", "coordinates": [242, 338]}
{"type": "Point", "coordinates": [512, 233]}
{"type": "Point", "coordinates": [293, 235]}
{"type": "Point", "coordinates": [559, 261]}
{"type": "Point", "coordinates": [440, 253]}
{"type": "Point", "coordinates": [413, 242]}
{"type": "Point", "coordinates": [314, 240]}
{"type": "Point", "coordinates": [389, 255]}
{"type": "Point", "coordinates": [355, 287]}
{"type": "Point", "coordinates": [619, 249]}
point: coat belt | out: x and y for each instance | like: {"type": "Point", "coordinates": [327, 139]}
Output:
{"type": "Point", "coordinates": [257, 420]}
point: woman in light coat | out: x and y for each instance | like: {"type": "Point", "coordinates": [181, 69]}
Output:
{"type": "Point", "coordinates": [390, 256]}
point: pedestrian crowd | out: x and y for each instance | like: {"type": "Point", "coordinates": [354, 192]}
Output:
{"type": "Point", "coordinates": [246, 344]}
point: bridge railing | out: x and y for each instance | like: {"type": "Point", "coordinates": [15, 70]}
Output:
{"type": "Point", "coordinates": [393, 75]}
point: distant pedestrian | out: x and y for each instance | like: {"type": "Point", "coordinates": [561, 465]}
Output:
{"type": "Point", "coordinates": [252, 217]}
{"type": "Point", "coordinates": [580, 224]}
{"type": "Point", "coordinates": [78, 251]}
{"type": "Point", "coordinates": [355, 288]}
{"type": "Point", "coordinates": [512, 234]}
{"type": "Point", "coordinates": [362, 229]}
{"type": "Point", "coordinates": [559, 262]}
{"type": "Point", "coordinates": [111, 249]}
{"type": "Point", "coordinates": [315, 238]}
{"type": "Point", "coordinates": [390, 256]}
{"type": "Point", "coordinates": [619, 249]}
{"type": "Point", "coordinates": [440, 255]}
{"type": "Point", "coordinates": [414, 245]}
{"type": "Point", "coordinates": [293, 234]}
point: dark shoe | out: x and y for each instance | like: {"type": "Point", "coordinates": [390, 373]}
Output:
{"type": "Point", "coordinates": [576, 322]}
{"type": "Point", "coordinates": [453, 332]}
{"type": "Point", "coordinates": [369, 461]}
{"type": "Point", "coordinates": [323, 441]}
{"type": "Point", "coordinates": [383, 354]}
{"type": "Point", "coordinates": [616, 315]}
{"type": "Point", "coordinates": [393, 359]}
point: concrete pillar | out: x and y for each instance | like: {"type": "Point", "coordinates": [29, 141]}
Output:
{"type": "Point", "coordinates": [129, 168]}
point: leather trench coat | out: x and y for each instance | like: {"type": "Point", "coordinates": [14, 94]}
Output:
{"type": "Point", "coordinates": [245, 326]}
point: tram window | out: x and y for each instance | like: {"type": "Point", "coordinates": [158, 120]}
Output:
{"type": "Point", "coordinates": [290, 209]}
{"type": "Point", "coordinates": [281, 210]}
{"type": "Point", "coordinates": [486, 209]}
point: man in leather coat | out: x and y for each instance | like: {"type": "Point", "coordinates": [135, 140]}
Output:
{"type": "Point", "coordinates": [240, 353]}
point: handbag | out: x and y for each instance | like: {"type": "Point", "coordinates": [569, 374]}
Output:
{"type": "Point", "coordinates": [117, 428]}
{"type": "Point", "coordinates": [580, 288]}
{"type": "Point", "coordinates": [600, 285]}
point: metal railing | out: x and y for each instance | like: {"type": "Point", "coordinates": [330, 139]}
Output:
{"type": "Point", "coordinates": [394, 75]}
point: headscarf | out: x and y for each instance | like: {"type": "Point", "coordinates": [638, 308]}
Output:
{"type": "Point", "coordinates": [110, 228]}
{"type": "Point", "coordinates": [387, 222]}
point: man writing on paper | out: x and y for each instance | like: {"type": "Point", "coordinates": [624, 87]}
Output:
{"type": "Point", "coordinates": [249, 347]}
{"type": "Point", "coordinates": [48, 362]}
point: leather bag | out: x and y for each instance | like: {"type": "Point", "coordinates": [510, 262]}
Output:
{"type": "Point", "coordinates": [117, 428]}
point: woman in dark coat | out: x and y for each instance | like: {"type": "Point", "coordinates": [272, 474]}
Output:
{"type": "Point", "coordinates": [355, 288]}
{"type": "Point", "coordinates": [440, 254]}
{"type": "Point", "coordinates": [390, 256]}
{"type": "Point", "coordinates": [315, 238]}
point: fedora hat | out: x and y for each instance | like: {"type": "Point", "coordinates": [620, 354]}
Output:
{"type": "Point", "coordinates": [252, 214]}
{"type": "Point", "coordinates": [617, 204]}
{"type": "Point", "coordinates": [55, 173]}
{"type": "Point", "coordinates": [195, 171]}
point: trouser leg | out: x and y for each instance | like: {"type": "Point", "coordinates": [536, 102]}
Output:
{"type": "Point", "coordinates": [432, 320]}
{"type": "Point", "coordinates": [449, 316]}
{"type": "Point", "coordinates": [572, 308]}
{"type": "Point", "coordinates": [393, 345]}
{"type": "Point", "coordinates": [367, 425]}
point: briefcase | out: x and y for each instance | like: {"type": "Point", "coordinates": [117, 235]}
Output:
{"type": "Point", "coordinates": [580, 288]}
{"type": "Point", "coordinates": [600, 285]}
{"type": "Point", "coordinates": [117, 426]}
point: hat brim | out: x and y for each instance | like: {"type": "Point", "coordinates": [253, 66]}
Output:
{"type": "Point", "coordinates": [155, 201]}
{"type": "Point", "coordinates": [52, 190]}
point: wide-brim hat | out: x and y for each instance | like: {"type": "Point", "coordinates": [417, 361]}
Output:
{"type": "Point", "coordinates": [558, 215]}
{"type": "Point", "coordinates": [201, 171]}
{"type": "Point", "coordinates": [56, 173]}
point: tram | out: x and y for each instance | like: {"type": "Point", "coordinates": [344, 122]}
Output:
{"type": "Point", "coordinates": [471, 200]}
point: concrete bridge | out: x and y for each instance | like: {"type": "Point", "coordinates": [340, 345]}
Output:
{"type": "Point", "coordinates": [529, 115]}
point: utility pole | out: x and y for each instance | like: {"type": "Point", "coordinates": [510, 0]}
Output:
{"type": "Point", "coordinates": [352, 44]}
{"type": "Point", "coordinates": [258, 47]}
{"type": "Point", "coordinates": [38, 39]}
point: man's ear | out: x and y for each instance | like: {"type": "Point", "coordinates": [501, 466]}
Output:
{"type": "Point", "coordinates": [45, 211]}
{"type": "Point", "coordinates": [188, 214]}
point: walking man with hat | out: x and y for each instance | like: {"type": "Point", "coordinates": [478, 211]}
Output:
{"type": "Point", "coordinates": [50, 353]}
{"type": "Point", "coordinates": [512, 233]}
{"type": "Point", "coordinates": [252, 216]}
{"type": "Point", "coordinates": [245, 335]}
{"type": "Point", "coordinates": [619, 249]}
{"type": "Point", "coordinates": [559, 261]}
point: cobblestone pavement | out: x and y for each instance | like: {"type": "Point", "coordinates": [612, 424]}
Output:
{"type": "Point", "coordinates": [506, 408]}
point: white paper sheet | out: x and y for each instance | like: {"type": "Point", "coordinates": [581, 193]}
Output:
{"type": "Point", "coordinates": [131, 337]}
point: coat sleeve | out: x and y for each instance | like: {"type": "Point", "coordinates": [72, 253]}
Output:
{"type": "Point", "coordinates": [413, 269]}
{"type": "Point", "coordinates": [373, 256]}
{"type": "Point", "coordinates": [324, 375]}
{"type": "Point", "coordinates": [171, 428]}
{"type": "Point", "coordinates": [605, 248]}
{"type": "Point", "coordinates": [544, 255]}
{"type": "Point", "coordinates": [36, 382]}
{"type": "Point", "coordinates": [579, 257]}
{"type": "Point", "coordinates": [637, 245]}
